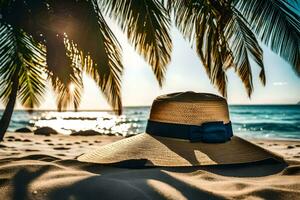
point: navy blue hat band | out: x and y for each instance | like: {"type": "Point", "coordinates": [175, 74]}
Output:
{"type": "Point", "coordinates": [209, 132]}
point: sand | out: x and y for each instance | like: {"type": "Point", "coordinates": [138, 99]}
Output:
{"type": "Point", "coordinates": [44, 167]}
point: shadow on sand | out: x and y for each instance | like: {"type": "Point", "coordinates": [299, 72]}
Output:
{"type": "Point", "coordinates": [111, 182]}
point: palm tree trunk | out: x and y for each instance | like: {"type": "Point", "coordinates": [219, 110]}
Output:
{"type": "Point", "coordinates": [6, 117]}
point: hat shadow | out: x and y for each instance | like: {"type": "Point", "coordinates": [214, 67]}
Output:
{"type": "Point", "coordinates": [259, 168]}
{"type": "Point", "coordinates": [155, 182]}
{"type": "Point", "coordinates": [130, 184]}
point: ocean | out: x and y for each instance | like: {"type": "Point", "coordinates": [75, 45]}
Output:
{"type": "Point", "coordinates": [250, 121]}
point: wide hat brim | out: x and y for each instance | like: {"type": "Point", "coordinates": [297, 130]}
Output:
{"type": "Point", "coordinates": [148, 150]}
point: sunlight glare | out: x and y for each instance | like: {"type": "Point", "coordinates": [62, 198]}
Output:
{"type": "Point", "coordinates": [71, 87]}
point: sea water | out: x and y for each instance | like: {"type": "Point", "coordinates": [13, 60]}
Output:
{"type": "Point", "coordinates": [251, 121]}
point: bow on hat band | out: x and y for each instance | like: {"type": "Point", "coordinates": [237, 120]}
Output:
{"type": "Point", "coordinates": [209, 132]}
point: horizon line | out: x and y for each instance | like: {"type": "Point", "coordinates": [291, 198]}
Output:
{"type": "Point", "coordinates": [140, 106]}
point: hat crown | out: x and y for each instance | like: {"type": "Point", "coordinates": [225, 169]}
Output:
{"type": "Point", "coordinates": [189, 108]}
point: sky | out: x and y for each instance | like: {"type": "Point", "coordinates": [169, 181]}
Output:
{"type": "Point", "coordinates": [186, 73]}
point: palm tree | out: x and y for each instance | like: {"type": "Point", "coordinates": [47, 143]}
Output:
{"type": "Point", "coordinates": [69, 37]}
{"type": "Point", "coordinates": [224, 34]}
{"type": "Point", "coordinates": [62, 39]}
{"type": "Point", "coordinates": [21, 72]}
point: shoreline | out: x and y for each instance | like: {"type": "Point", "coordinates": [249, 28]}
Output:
{"type": "Point", "coordinates": [68, 147]}
{"type": "Point", "coordinates": [274, 139]}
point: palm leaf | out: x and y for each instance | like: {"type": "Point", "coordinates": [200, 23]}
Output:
{"type": "Point", "coordinates": [251, 43]}
{"type": "Point", "coordinates": [215, 58]}
{"type": "Point", "coordinates": [277, 24]}
{"type": "Point", "coordinates": [31, 16]}
{"type": "Point", "coordinates": [185, 14]}
{"type": "Point", "coordinates": [32, 75]}
{"type": "Point", "coordinates": [37, 19]}
{"type": "Point", "coordinates": [95, 44]}
{"type": "Point", "coordinates": [147, 25]}
{"type": "Point", "coordinates": [9, 61]}
{"type": "Point", "coordinates": [107, 69]}
{"type": "Point", "coordinates": [244, 45]}
{"type": "Point", "coordinates": [67, 94]}
{"type": "Point", "coordinates": [63, 72]}
{"type": "Point", "coordinates": [49, 22]}
{"type": "Point", "coordinates": [196, 21]}
{"type": "Point", "coordinates": [21, 55]}
{"type": "Point", "coordinates": [222, 39]}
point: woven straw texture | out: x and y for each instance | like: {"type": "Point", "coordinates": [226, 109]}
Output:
{"type": "Point", "coordinates": [161, 151]}
{"type": "Point", "coordinates": [189, 108]}
{"type": "Point", "coordinates": [181, 108]}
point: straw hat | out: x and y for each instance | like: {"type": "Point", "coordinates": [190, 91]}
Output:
{"type": "Point", "coordinates": [184, 129]}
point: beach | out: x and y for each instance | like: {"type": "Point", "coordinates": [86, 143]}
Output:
{"type": "Point", "coordinates": [151, 99]}
{"type": "Point", "coordinates": [45, 167]}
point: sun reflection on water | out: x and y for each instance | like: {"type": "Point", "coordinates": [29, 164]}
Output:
{"type": "Point", "coordinates": [102, 122]}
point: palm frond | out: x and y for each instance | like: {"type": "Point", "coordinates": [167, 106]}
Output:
{"type": "Point", "coordinates": [34, 17]}
{"type": "Point", "coordinates": [199, 23]}
{"type": "Point", "coordinates": [9, 61]}
{"type": "Point", "coordinates": [147, 24]}
{"type": "Point", "coordinates": [63, 72]}
{"type": "Point", "coordinates": [222, 39]}
{"type": "Point", "coordinates": [185, 14]}
{"type": "Point", "coordinates": [211, 47]}
{"type": "Point", "coordinates": [252, 45]}
{"type": "Point", "coordinates": [68, 94]}
{"type": "Point", "coordinates": [244, 45]}
{"type": "Point", "coordinates": [22, 55]}
{"type": "Point", "coordinates": [70, 91]}
{"type": "Point", "coordinates": [31, 16]}
{"type": "Point", "coordinates": [85, 27]}
{"type": "Point", "coordinates": [277, 25]}
{"type": "Point", "coordinates": [107, 69]}
{"type": "Point", "coordinates": [50, 22]}
{"type": "Point", "coordinates": [32, 75]}
{"type": "Point", "coordinates": [58, 63]}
